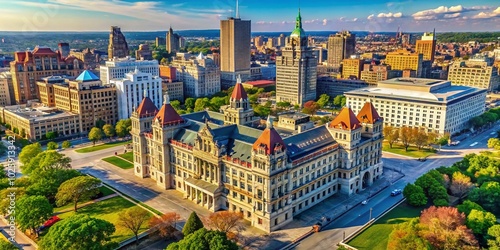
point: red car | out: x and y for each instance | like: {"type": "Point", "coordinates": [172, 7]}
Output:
{"type": "Point", "coordinates": [51, 221]}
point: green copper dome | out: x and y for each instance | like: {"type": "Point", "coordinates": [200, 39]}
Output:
{"type": "Point", "coordinates": [298, 31]}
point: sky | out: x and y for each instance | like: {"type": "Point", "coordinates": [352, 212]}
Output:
{"type": "Point", "coordinates": [266, 15]}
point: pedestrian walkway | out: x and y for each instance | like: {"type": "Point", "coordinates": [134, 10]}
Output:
{"type": "Point", "coordinates": [20, 239]}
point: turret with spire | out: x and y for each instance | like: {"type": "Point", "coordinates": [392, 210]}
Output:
{"type": "Point", "coordinates": [238, 111]}
{"type": "Point", "coordinates": [298, 35]}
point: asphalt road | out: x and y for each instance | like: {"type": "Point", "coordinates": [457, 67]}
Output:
{"type": "Point", "coordinates": [332, 234]}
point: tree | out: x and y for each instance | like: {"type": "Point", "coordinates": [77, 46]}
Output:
{"type": "Point", "coordinates": [46, 182]}
{"type": "Point", "coordinates": [444, 228]}
{"type": "Point", "coordinates": [419, 137]}
{"type": "Point", "coordinates": [80, 232]}
{"type": "Point", "coordinates": [406, 236]}
{"type": "Point", "coordinates": [201, 104]}
{"type": "Point", "coordinates": [23, 133]}
{"type": "Point", "coordinates": [468, 206]}
{"type": "Point", "coordinates": [108, 130]}
{"type": "Point", "coordinates": [15, 130]}
{"type": "Point", "coordinates": [414, 195]}
{"type": "Point", "coordinates": [391, 134]}
{"type": "Point", "coordinates": [47, 160]}
{"type": "Point", "coordinates": [192, 224]}
{"type": "Point", "coordinates": [7, 245]}
{"type": "Point", "coordinates": [337, 101]}
{"type": "Point", "coordinates": [52, 145]}
{"type": "Point", "coordinates": [29, 152]}
{"type": "Point", "coordinates": [32, 211]}
{"type": "Point", "coordinates": [66, 144]}
{"type": "Point", "coordinates": [123, 127]}
{"type": "Point", "coordinates": [225, 221]}
{"type": "Point", "coordinates": [95, 135]}
{"type": "Point", "coordinates": [406, 136]}
{"type": "Point", "coordinates": [494, 143]}
{"type": "Point", "coordinates": [460, 184]}
{"type": "Point", "coordinates": [487, 195]}
{"type": "Point", "coordinates": [51, 135]}
{"type": "Point", "coordinates": [204, 239]}
{"type": "Point", "coordinates": [283, 105]}
{"type": "Point", "coordinates": [133, 219]}
{"type": "Point", "coordinates": [100, 123]}
{"type": "Point", "coordinates": [165, 224]}
{"type": "Point", "coordinates": [323, 100]}
{"type": "Point", "coordinates": [443, 140]}
{"type": "Point", "coordinates": [77, 189]}
{"type": "Point", "coordinates": [176, 104]}
{"type": "Point", "coordinates": [494, 237]}
{"type": "Point", "coordinates": [189, 103]}
{"type": "Point", "coordinates": [217, 102]}
{"type": "Point", "coordinates": [480, 221]}
{"type": "Point", "coordinates": [310, 107]}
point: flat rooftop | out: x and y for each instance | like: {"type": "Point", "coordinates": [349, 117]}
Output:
{"type": "Point", "coordinates": [414, 81]}
{"type": "Point", "coordinates": [39, 113]}
{"type": "Point", "coordinates": [294, 116]}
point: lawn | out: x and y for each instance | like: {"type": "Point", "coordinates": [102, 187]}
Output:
{"type": "Point", "coordinates": [128, 156]}
{"type": "Point", "coordinates": [105, 191]}
{"type": "Point", "coordinates": [119, 162]}
{"type": "Point", "coordinates": [377, 235]}
{"type": "Point", "coordinates": [101, 146]}
{"type": "Point", "coordinates": [412, 151]}
{"type": "Point", "coordinates": [108, 210]}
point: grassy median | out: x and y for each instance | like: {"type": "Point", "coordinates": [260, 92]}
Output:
{"type": "Point", "coordinates": [101, 146]}
{"type": "Point", "coordinates": [412, 151]}
{"type": "Point", "coordinates": [121, 163]}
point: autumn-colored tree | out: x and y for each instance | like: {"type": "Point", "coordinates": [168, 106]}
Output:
{"type": "Point", "coordinates": [310, 107]}
{"type": "Point", "coordinates": [391, 134]}
{"type": "Point", "coordinates": [406, 236]}
{"type": "Point", "coordinates": [225, 221]}
{"type": "Point", "coordinates": [460, 184]}
{"type": "Point", "coordinates": [494, 237]}
{"type": "Point", "coordinates": [132, 219]}
{"type": "Point", "coordinates": [444, 228]}
{"type": "Point", "coordinates": [164, 225]}
{"type": "Point", "coordinates": [479, 221]}
{"type": "Point", "coordinates": [406, 137]}
{"type": "Point", "coordinates": [419, 137]}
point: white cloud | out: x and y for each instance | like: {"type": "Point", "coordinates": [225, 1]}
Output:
{"type": "Point", "coordinates": [370, 17]}
{"type": "Point", "coordinates": [325, 22]}
{"type": "Point", "coordinates": [389, 15]}
{"type": "Point", "coordinates": [444, 12]}
{"type": "Point", "coordinates": [484, 15]}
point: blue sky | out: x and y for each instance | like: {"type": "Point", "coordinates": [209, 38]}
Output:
{"type": "Point", "coordinates": [266, 15]}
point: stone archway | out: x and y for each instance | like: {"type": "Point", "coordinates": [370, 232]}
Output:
{"type": "Point", "coordinates": [366, 180]}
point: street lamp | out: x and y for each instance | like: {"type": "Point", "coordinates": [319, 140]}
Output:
{"type": "Point", "coordinates": [371, 213]}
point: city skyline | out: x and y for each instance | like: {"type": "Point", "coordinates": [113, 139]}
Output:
{"type": "Point", "coordinates": [154, 15]}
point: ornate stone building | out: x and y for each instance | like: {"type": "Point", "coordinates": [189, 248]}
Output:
{"type": "Point", "coordinates": [223, 166]}
{"type": "Point", "coordinates": [118, 46]}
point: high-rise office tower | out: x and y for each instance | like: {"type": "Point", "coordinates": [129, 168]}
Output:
{"type": "Point", "coordinates": [118, 46]}
{"type": "Point", "coordinates": [173, 41]}
{"type": "Point", "coordinates": [281, 40]}
{"type": "Point", "coordinates": [427, 45]}
{"type": "Point", "coordinates": [296, 69]}
{"type": "Point", "coordinates": [258, 41]}
{"type": "Point", "coordinates": [340, 46]}
{"type": "Point", "coordinates": [234, 49]}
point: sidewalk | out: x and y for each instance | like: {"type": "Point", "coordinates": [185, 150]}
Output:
{"type": "Point", "coordinates": [21, 240]}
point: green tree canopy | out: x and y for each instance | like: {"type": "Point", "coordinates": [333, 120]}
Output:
{"type": "Point", "coordinates": [108, 130]}
{"type": "Point", "coordinates": [480, 221]}
{"type": "Point", "coordinates": [204, 239]}
{"type": "Point", "coordinates": [95, 135]}
{"type": "Point", "coordinates": [487, 196]}
{"type": "Point", "coordinates": [51, 135]}
{"type": "Point", "coordinates": [189, 103]}
{"type": "Point", "coordinates": [415, 195]}
{"type": "Point", "coordinates": [7, 245]}
{"type": "Point", "coordinates": [32, 211]}
{"type": "Point", "coordinates": [46, 182]}
{"type": "Point", "coordinates": [123, 127]}
{"type": "Point", "coordinates": [80, 232]}
{"type": "Point", "coordinates": [467, 206]}
{"type": "Point", "coordinates": [77, 189]}
{"type": "Point", "coordinates": [323, 100]}
{"type": "Point", "coordinates": [176, 104]}
{"type": "Point", "coordinates": [494, 237]}
{"type": "Point", "coordinates": [47, 160]}
{"type": "Point", "coordinates": [66, 144]}
{"type": "Point", "coordinates": [201, 104]}
{"type": "Point", "coordinates": [192, 224]}
{"type": "Point", "coordinates": [29, 152]}
{"type": "Point", "coordinates": [52, 145]}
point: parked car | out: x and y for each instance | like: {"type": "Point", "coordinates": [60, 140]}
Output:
{"type": "Point", "coordinates": [396, 192]}
{"type": "Point", "coordinates": [454, 143]}
{"type": "Point", "coordinates": [49, 222]}
{"type": "Point", "coordinates": [422, 159]}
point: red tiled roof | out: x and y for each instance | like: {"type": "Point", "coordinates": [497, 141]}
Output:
{"type": "Point", "coordinates": [346, 120]}
{"type": "Point", "coordinates": [368, 114]}
{"type": "Point", "coordinates": [147, 108]}
{"type": "Point", "coordinates": [270, 140]}
{"type": "Point", "coordinates": [261, 83]}
{"type": "Point", "coordinates": [168, 115]}
{"type": "Point", "coordinates": [39, 50]}
{"type": "Point", "coordinates": [239, 92]}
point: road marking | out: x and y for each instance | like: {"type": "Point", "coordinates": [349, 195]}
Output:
{"type": "Point", "coordinates": [473, 144]}
{"type": "Point", "coordinates": [492, 133]}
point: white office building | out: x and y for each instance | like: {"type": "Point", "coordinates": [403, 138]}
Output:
{"type": "Point", "coordinates": [416, 102]}
{"type": "Point", "coordinates": [133, 88]}
{"type": "Point", "coordinates": [116, 68]}
{"type": "Point", "coordinates": [201, 76]}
